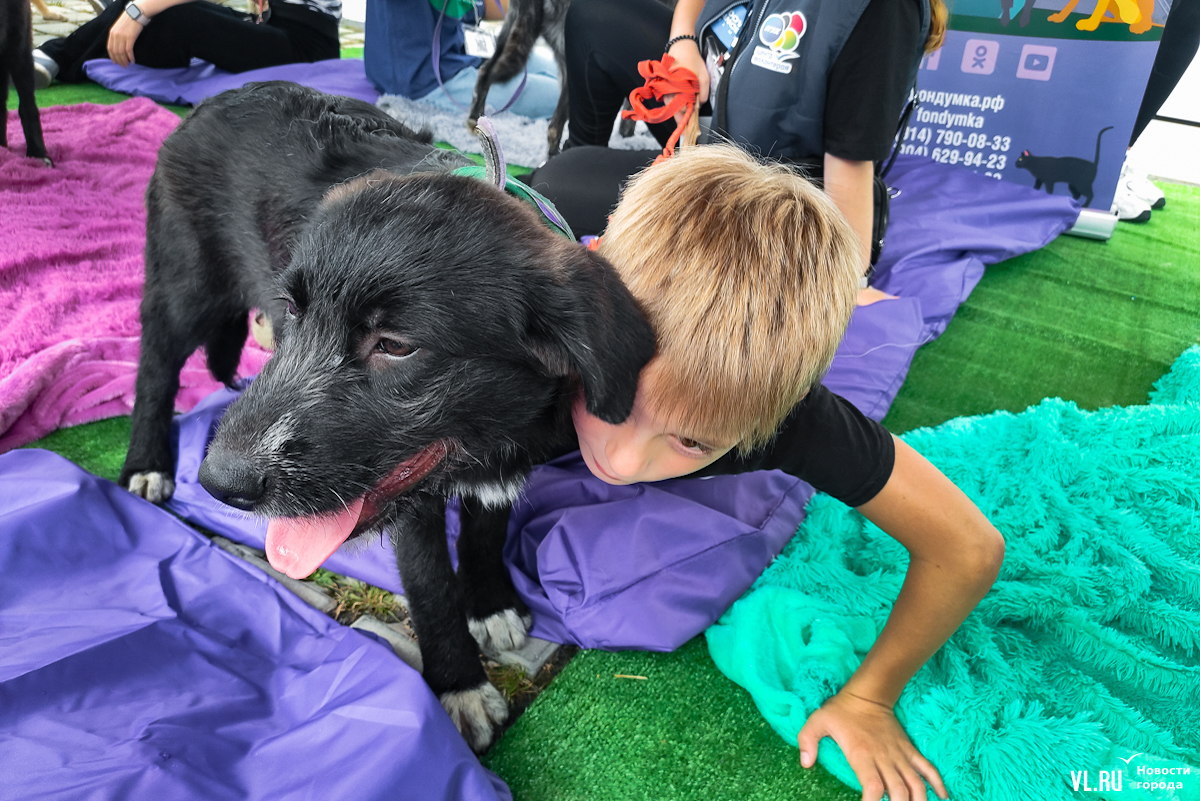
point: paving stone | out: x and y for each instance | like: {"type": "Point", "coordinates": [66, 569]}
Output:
{"type": "Point", "coordinates": [54, 28]}
{"type": "Point", "coordinates": [405, 646]}
{"type": "Point", "coordinates": [532, 655]}
{"type": "Point", "coordinates": [307, 591]}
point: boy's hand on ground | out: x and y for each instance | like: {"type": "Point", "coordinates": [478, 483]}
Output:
{"type": "Point", "coordinates": [875, 745]}
{"type": "Point", "coordinates": [121, 37]}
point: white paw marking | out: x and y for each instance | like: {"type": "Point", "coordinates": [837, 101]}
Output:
{"type": "Point", "coordinates": [476, 713]}
{"type": "Point", "coordinates": [154, 487]}
{"type": "Point", "coordinates": [503, 631]}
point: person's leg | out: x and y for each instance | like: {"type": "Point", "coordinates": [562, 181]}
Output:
{"type": "Point", "coordinates": [216, 34]}
{"type": "Point", "coordinates": [605, 41]}
{"type": "Point", "coordinates": [219, 35]}
{"type": "Point", "coordinates": [541, 62]}
{"type": "Point", "coordinates": [536, 100]}
{"type": "Point", "coordinates": [1180, 41]}
{"type": "Point", "coordinates": [584, 183]}
{"type": "Point", "coordinates": [314, 35]}
{"type": "Point", "coordinates": [88, 41]}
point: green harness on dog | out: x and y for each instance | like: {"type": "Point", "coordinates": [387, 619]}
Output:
{"type": "Point", "coordinates": [495, 172]}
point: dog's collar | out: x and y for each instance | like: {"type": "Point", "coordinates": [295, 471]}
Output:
{"type": "Point", "coordinates": [544, 207]}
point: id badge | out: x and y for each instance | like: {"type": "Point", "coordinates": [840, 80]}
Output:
{"type": "Point", "coordinates": [478, 42]}
{"type": "Point", "coordinates": [727, 28]}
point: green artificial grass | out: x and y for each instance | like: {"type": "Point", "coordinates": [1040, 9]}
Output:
{"type": "Point", "coordinates": [68, 94]}
{"type": "Point", "coordinates": [97, 447]}
{"type": "Point", "coordinates": [1092, 322]}
{"type": "Point", "coordinates": [682, 732]}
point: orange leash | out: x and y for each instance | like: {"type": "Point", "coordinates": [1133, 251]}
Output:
{"type": "Point", "coordinates": [665, 78]}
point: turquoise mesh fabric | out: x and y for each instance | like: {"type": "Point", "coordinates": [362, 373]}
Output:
{"type": "Point", "coordinates": [1083, 654]}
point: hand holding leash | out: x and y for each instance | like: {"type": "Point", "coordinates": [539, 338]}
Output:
{"type": "Point", "coordinates": [686, 53]}
{"type": "Point", "coordinates": [677, 88]}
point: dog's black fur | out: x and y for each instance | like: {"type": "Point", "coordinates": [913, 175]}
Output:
{"type": "Point", "coordinates": [235, 184]}
{"type": "Point", "coordinates": [16, 60]}
{"type": "Point", "coordinates": [524, 22]}
{"type": "Point", "coordinates": [411, 311]}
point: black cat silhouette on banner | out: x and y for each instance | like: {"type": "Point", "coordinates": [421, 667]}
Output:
{"type": "Point", "coordinates": [1043, 94]}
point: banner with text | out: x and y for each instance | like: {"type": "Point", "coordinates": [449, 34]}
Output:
{"type": "Point", "coordinates": [1044, 95]}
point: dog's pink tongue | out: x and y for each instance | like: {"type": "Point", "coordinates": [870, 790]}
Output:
{"type": "Point", "coordinates": [296, 546]}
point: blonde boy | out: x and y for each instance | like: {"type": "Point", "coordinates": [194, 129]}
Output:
{"type": "Point", "coordinates": [749, 275]}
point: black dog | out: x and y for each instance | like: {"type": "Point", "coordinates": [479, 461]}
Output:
{"type": "Point", "coordinates": [431, 336]}
{"type": "Point", "coordinates": [16, 60]}
{"type": "Point", "coordinates": [234, 186]}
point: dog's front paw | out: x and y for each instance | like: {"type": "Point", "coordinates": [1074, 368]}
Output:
{"type": "Point", "coordinates": [476, 713]}
{"type": "Point", "coordinates": [503, 631]}
{"type": "Point", "coordinates": [154, 487]}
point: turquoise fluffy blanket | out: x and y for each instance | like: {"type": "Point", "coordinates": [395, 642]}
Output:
{"type": "Point", "coordinates": [1077, 675]}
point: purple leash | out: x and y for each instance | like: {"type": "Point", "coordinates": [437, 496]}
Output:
{"type": "Point", "coordinates": [437, 69]}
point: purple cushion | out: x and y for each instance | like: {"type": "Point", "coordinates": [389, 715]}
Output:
{"type": "Point", "coordinates": [187, 86]}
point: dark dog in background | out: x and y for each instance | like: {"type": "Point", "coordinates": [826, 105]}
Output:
{"type": "Point", "coordinates": [431, 336]}
{"type": "Point", "coordinates": [16, 61]}
{"type": "Point", "coordinates": [524, 22]}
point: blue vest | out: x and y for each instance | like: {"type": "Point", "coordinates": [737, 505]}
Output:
{"type": "Point", "coordinates": [772, 94]}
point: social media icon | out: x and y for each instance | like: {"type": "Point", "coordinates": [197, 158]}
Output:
{"type": "Point", "coordinates": [1036, 62]}
{"type": "Point", "coordinates": [931, 61]}
{"type": "Point", "coordinates": [979, 56]}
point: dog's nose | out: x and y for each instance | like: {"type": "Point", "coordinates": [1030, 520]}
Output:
{"type": "Point", "coordinates": [232, 479]}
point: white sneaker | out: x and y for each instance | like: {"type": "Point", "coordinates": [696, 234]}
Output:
{"type": "Point", "coordinates": [45, 70]}
{"type": "Point", "coordinates": [1128, 206]}
{"type": "Point", "coordinates": [1136, 181]}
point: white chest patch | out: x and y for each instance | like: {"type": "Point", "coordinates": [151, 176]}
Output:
{"type": "Point", "coordinates": [494, 495]}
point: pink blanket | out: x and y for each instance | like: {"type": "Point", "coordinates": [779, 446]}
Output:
{"type": "Point", "coordinates": [71, 270]}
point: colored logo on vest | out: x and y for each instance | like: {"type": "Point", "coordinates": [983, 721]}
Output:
{"type": "Point", "coordinates": [781, 33]}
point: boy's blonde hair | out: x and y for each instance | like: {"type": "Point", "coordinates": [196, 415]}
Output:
{"type": "Point", "coordinates": [748, 274]}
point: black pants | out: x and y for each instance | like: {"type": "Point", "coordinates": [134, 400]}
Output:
{"type": "Point", "coordinates": [221, 36]}
{"type": "Point", "coordinates": [585, 182]}
{"type": "Point", "coordinates": [1180, 41]}
{"type": "Point", "coordinates": [605, 40]}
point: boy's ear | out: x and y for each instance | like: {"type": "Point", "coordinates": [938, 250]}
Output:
{"type": "Point", "coordinates": [586, 322]}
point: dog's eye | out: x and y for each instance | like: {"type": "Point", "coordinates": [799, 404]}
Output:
{"type": "Point", "coordinates": [289, 308]}
{"type": "Point", "coordinates": [394, 348]}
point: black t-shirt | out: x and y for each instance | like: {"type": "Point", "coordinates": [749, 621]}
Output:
{"type": "Point", "coordinates": [868, 84]}
{"type": "Point", "coordinates": [827, 442]}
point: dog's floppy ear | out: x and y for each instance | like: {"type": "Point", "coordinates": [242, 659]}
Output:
{"type": "Point", "coordinates": [587, 322]}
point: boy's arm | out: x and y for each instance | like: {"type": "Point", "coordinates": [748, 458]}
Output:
{"type": "Point", "coordinates": [955, 555]}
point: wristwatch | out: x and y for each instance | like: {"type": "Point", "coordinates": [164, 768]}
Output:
{"type": "Point", "coordinates": [136, 14]}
